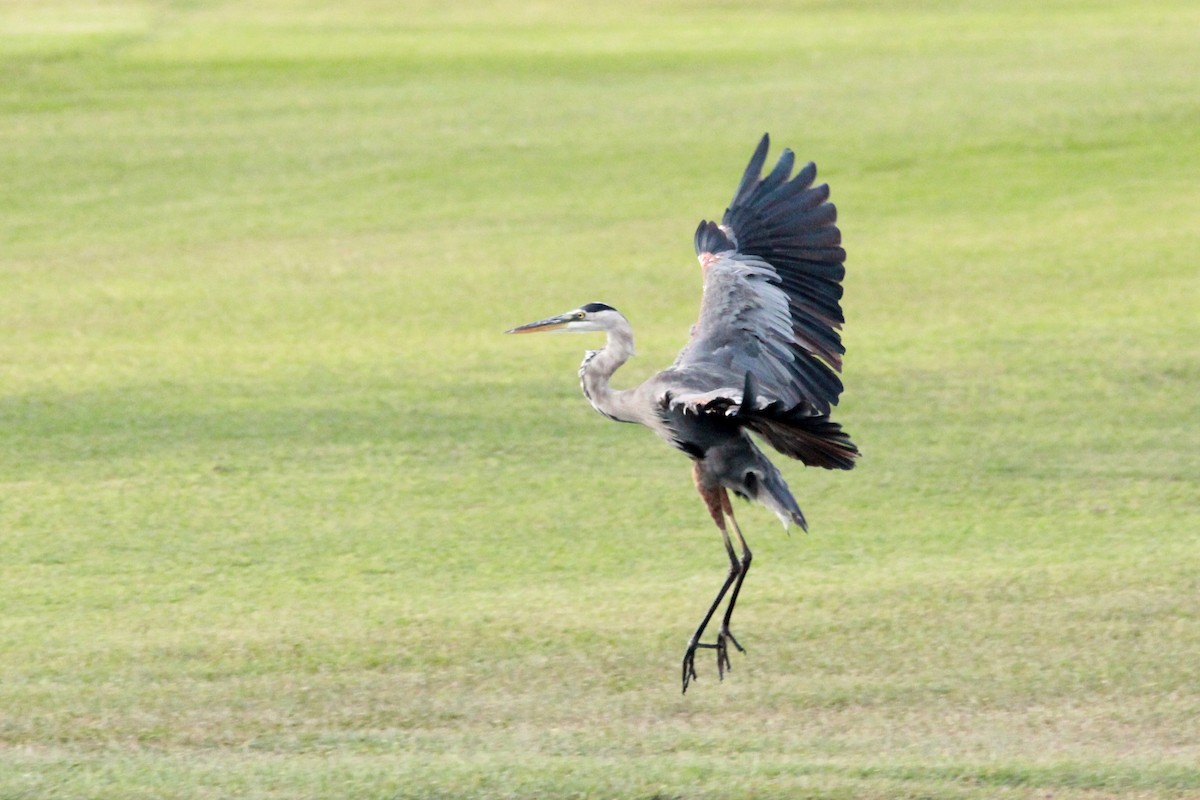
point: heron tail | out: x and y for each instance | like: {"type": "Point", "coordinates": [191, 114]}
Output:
{"type": "Point", "coordinates": [797, 432]}
{"type": "Point", "coordinates": [818, 441]}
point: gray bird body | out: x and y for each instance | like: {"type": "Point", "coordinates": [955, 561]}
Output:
{"type": "Point", "coordinates": [724, 453]}
{"type": "Point", "coordinates": [762, 359]}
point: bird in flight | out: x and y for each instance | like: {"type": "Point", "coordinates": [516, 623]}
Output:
{"type": "Point", "coordinates": [763, 359]}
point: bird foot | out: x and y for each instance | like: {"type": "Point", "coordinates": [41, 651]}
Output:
{"type": "Point", "coordinates": [724, 639]}
{"type": "Point", "coordinates": [689, 664]}
{"type": "Point", "coordinates": [723, 651]}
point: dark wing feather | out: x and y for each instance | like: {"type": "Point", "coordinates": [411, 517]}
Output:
{"type": "Point", "coordinates": [771, 309]}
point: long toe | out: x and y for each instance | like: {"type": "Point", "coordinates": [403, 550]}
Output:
{"type": "Point", "coordinates": [722, 659]}
{"type": "Point", "coordinates": [689, 667]}
{"type": "Point", "coordinates": [726, 634]}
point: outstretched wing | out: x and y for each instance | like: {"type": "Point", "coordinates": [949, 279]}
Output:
{"type": "Point", "coordinates": [772, 289]}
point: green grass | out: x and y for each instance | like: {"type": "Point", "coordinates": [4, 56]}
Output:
{"type": "Point", "coordinates": [282, 514]}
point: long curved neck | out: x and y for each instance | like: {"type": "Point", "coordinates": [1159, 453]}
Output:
{"type": "Point", "coordinates": [598, 367]}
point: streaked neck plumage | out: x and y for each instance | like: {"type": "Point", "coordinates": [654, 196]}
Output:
{"type": "Point", "coordinates": [598, 367]}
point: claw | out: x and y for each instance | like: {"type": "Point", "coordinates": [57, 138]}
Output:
{"type": "Point", "coordinates": [723, 662]}
{"type": "Point", "coordinates": [689, 666]}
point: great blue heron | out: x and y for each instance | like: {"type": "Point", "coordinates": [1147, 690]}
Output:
{"type": "Point", "coordinates": [762, 359]}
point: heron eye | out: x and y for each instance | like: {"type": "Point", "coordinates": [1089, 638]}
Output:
{"type": "Point", "coordinates": [578, 315]}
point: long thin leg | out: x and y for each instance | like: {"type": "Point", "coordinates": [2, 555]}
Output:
{"type": "Point", "coordinates": [717, 500]}
{"type": "Point", "coordinates": [689, 656]}
{"type": "Point", "coordinates": [737, 587]}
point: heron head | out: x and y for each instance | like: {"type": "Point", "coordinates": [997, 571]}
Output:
{"type": "Point", "coordinates": [589, 318]}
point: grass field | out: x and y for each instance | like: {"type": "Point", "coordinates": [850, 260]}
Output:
{"type": "Point", "coordinates": [283, 515]}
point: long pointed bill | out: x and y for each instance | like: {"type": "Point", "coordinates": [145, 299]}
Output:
{"type": "Point", "coordinates": [552, 324]}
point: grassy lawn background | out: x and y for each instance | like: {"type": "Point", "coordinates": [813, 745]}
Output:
{"type": "Point", "coordinates": [282, 514]}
